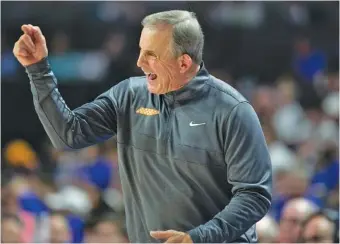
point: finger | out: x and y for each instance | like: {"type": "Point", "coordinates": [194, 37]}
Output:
{"type": "Point", "coordinates": [29, 43]}
{"type": "Point", "coordinates": [162, 234]}
{"type": "Point", "coordinates": [20, 49]}
{"type": "Point", "coordinates": [23, 52]}
{"type": "Point", "coordinates": [22, 44]}
{"type": "Point", "coordinates": [26, 29]}
{"type": "Point", "coordinates": [38, 34]}
{"type": "Point", "coordinates": [175, 239]}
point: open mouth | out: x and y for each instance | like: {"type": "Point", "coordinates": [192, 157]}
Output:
{"type": "Point", "coordinates": [152, 76]}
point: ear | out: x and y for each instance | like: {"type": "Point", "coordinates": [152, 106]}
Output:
{"type": "Point", "coordinates": [185, 63]}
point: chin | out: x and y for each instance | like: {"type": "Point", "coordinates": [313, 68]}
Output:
{"type": "Point", "coordinates": [155, 89]}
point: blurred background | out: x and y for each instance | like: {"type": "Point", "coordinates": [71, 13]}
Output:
{"type": "Point", "coordinates": [282, 56]}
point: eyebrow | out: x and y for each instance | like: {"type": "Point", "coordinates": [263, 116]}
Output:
{"type": "Point", "coordinates": [149, 51]}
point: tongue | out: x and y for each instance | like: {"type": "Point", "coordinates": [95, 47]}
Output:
{"type": "Point", "coordinates": [153, 76]}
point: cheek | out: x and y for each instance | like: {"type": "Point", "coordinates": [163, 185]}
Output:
{"type": "Point", "coordinates": [168, 70]}
{"type": "Point", "coordinates": [152, 63]}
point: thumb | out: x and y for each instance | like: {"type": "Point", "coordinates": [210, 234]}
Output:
{"type": "Point", "coordinates": [23, 52]}
{"type": "Point", "coordinates": [26, 29]}
{"type": "Point", "coordinates": [162, 234]}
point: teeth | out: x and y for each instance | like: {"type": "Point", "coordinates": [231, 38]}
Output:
{"type": "Point", "coordinates": [148, 74]}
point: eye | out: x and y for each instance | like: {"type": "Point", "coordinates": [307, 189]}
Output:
{"type": "Point", "coordinates": [147, 54]}
{"type": "Point", "coordinates": [151, 54]}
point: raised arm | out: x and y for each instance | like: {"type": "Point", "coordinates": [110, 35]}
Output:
{"type": "Point", "coordinates": [89, 124]}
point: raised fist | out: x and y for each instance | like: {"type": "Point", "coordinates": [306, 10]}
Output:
{"type": "Point", "coordinates": [31, 46]}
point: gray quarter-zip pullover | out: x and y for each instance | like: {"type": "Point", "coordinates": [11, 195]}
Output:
{"type": "Point", "coordinates": [193, 160]}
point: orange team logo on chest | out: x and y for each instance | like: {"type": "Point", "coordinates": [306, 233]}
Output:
{"type": "Point", "coordinates": [147, 111]}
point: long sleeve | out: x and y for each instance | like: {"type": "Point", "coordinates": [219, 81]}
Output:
{"type": "Point", "coordinates": [249, 173]}
{"type": "Point", "coordinates": [89, 124]}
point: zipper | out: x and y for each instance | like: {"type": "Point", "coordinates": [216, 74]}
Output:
{"type": "Point", "coordinates": [168, 124]}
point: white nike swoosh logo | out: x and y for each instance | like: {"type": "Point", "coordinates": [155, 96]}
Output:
{"type": "Point", "coordinates": [192, 124]}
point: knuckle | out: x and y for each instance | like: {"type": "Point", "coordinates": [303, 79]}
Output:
{"type": "Point", "coordinates": [21, 43]}
{"type": "Point", "coordinates": [22, 38]}
{"type": "Point", "coordinates": [15, 51]}
{"type": "Point", "coordinates": [26, 37]}
{"type": "Point", "coordinates": [16, 47]}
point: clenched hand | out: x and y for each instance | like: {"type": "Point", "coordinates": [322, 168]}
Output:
{"type": "Point", "coordinates": [31, 46]}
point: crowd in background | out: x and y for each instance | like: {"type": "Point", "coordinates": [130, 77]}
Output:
{"type": "Point", "coordinates": [75, 196]}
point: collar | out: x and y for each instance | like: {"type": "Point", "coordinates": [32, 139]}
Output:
{"type": "Point", "coordinates": [193, 87]}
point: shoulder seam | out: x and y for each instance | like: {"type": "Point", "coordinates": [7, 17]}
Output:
{"type": "Point", "coordinates": [233, 108]}
{"type": "Point", "coordinates": [226, 92]}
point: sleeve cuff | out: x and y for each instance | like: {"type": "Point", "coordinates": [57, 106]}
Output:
{"type": "Point", "coordinates": [39, 67]}
{"type": "Point", "coordinates": [195, 235]}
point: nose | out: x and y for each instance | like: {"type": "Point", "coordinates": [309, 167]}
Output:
{"type": "Point", "coordinates": [140, 60]}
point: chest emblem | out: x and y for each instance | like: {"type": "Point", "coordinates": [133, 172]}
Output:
{"type": "Point", "coordinates": [147, 111]}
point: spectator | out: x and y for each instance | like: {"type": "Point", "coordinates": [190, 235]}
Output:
{"type": "Point", "coordinates": [267, 230]}
{"type": "Point", "coordinates": [264, 102]}
{"type": "Point", "coordinates": [289, 183]}
{"type": "Point", "coordinates": [309, 63]}
{"type": "Point", "coordinates": [325, 180]}
{"type": "Point", "coordinates": [59, 229]}
{"type": "Point", "coordinates": [330, 103]}
{"type": "Point", "coordinates": [89, 234]}
{"type": "Point", "coordinates": [289, 120]}
{"type": "Point", "coordinates": [11, 206]}
{"type": "Point", "coordinates": [109, 229]}
{"type": "Point", "coordinates": [11, 229]}
{"type": "Point", "coordinates": [19, 153]}
{"type": "Point", "coordinates": [318, 228]}
{"type": "Point", "coordinates": [294, 213]}
{"type": "Point", "coordinates": [281, 156]}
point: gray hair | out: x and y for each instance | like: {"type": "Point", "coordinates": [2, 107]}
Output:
{"type": "Point", "coordinates": [187, 34]}
{"type": "Point", "coordinates": [267, 229]}
{"type": "Point", "coordinates": [304, 206]}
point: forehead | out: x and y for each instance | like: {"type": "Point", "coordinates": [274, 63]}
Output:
{"type": "Point", "coordinates": [154, 39]}
{"type": "Point", "coordinates": [290, 211]}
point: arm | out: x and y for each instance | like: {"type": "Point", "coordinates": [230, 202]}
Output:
{"type": "Point", "coordinates": [249, 171]}
{"type": "Point", "coordinates": [89, 124]}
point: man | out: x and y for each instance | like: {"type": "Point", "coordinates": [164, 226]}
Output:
{"type": "Point", "coordinates": [267, 230]}
{"type": "Point", "coordinates": [109, 229]}
{"type": "Point", "coordinates": [194, 165]}
{"type": "Point", "coordinates": [59, 229]}
{"type": "Point", "coordinates": [295, 212]}
{"type": "Point", "coordinates": [11, 229]}
{"type": "Point", "coordinates": [318, 228]}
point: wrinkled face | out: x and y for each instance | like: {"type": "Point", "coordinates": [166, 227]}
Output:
{"type": "Point", "coordinates": [156, 59]}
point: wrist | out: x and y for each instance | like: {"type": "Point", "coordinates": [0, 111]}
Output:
{"type": "Point", "coordinates": [41, 66]}
{"type": "Point", "coordinates": [196, 235]}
